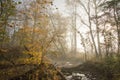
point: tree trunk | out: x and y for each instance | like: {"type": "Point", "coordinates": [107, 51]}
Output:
{"type": "Point", "coordinates": [97, 28]}
{"type": "Point", "coordinates": [117, 25]}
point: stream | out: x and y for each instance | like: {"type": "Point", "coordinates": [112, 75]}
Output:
{"type": "Point", "coordinates": [72, 74]}
{"type": "Point", "coordinates": [76, 76]}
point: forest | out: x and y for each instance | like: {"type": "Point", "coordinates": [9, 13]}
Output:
{"type": "Point", "coordinates": [59, 39]}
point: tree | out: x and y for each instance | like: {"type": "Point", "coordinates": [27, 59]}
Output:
{"type": "Point", "coordinates": [33, 35]}
{"type": "Point", "coordinates": [7, 9]}
{"type": "Point", "coordinates": [73, 11]}
{"type": "Point", "coordinates": [112, 7]}
{"type": "Point", "coordinates": [59, 26]}
{"type": "Point", "coordinates": [87, 9]}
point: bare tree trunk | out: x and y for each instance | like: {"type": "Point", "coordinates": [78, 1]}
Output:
{"type": "Point", "coordinates": [90, 27]}
{"type": "Point", "coordinates": [97, 27]}
{"type": "Point", "coordinates": [74, 40]}
{"type": "Point", "coordinates": [35, 19]}
{"type": "Point", "coordinates": [83, 43]}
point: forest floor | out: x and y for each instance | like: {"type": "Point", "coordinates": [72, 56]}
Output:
{"type": "Point", "coordinates": [19, 66]}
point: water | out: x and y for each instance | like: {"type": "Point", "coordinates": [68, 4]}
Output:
{"type": "Point", "coordinates": [77, 76]}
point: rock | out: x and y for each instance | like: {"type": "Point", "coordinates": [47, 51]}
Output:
{"type": "Point", "coordinates": [84, 78]}
{"type": "Point", "coordinates": [69, 77]}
